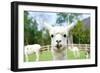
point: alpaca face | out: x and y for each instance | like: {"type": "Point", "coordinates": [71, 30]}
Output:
{"type": "Point", "coordinates": [58, 36]}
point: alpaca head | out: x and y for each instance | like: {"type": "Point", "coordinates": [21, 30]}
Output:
{"type": "Point", "coordinates": [59, 35]}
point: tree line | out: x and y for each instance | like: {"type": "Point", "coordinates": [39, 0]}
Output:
{"type": "Point", "coordinates": [32, 35]}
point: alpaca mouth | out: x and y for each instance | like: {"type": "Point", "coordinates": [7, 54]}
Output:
{"type": "Point", "coordinates": [58, 46]}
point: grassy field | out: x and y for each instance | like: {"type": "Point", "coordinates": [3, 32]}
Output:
{"type": "Point", "coordinates": [47, 56]}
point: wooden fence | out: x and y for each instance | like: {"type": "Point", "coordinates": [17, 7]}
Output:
{"type": "Point", "coordinates": [80, 46]}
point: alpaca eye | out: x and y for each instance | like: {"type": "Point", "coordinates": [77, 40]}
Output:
{"type": "Point", "coordinates": [52, 35]}
{"type": "Point", "coordinates": [64, 35]}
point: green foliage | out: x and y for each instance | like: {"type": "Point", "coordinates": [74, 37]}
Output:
{"type": "Point", "coordinates": [31, 33]}
{"type": "Point", "coordinates": [30, 29]}
{"type": "Point", "coordinates": [81, 34]}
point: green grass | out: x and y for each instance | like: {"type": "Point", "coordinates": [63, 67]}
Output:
{"type": "Point", "coordinates": [71, 56]}
{"type": "Point", "coordinates": [47, 56]}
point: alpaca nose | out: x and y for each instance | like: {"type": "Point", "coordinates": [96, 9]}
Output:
{"type": "Point", "coordinates": [58, 41]}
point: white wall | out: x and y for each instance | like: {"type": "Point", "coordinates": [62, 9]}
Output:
{"type": "Point", "coordinates": [5, 35]}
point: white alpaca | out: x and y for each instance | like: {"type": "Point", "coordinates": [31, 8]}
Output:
{"type": "Point", "coordinates": [75, 51]}
{"type": "Point", "coordinates": [59, 40]}
{"type": "Point", "coordinates": [29, 49]}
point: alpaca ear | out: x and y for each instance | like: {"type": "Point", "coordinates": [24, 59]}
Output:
{"type": "Point", "coordinates": [71, 26]}
{"type": "Point", "coordinates": [47, 26]}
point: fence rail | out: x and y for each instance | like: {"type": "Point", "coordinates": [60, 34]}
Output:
{"type": "Point", "coordinates": [80, 46]}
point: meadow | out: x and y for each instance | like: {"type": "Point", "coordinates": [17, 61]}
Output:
{"type": "Point", "coordinates": [47, 56]}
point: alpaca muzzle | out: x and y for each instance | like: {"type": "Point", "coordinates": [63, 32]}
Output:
{"type": "Point", "coordinates": [58, 46]}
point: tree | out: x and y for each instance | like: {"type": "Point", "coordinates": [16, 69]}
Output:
{"type": "Point", "coordinates": [81, 34]}
{"type": "Point", "coordinates": [30, 29]}
{"type": "Point", "coordinates": [32, 35]}
{"type": "Point", "coordinates": [67, 17]}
